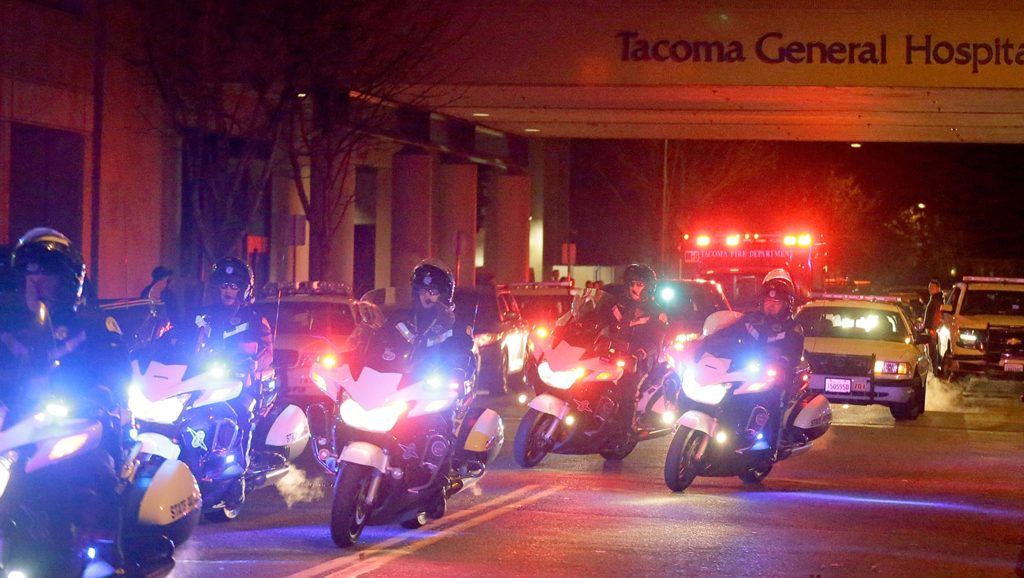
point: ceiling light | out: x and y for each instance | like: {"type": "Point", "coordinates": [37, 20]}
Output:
{"type": "Point", "coordinates": [481, 114]}
{"type": "Point", "coordinates": [531, 130]}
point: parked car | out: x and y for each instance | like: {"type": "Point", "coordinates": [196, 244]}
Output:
{"type": "Point", "coordinates": [982, 329]}
{"type": "Point", "coordinates": [500, 333]}
{"type": "Point", "coordinates": [543, 303]}
{"type": "Point", "coordinates": [863, 350]}
{"type": "Point", "coordinates": [688, 302]}
{"type": "Point", "coordinates": [306, 325]}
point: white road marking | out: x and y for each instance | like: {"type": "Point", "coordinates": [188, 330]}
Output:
{"type": "Point", "coordinates": [370, 564]}
{"type": "Point", "coordinates": [355, 556]}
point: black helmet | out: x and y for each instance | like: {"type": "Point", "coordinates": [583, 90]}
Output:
{"type": "Point", "coordinates": [44, 250]}
{"type": "Point", "coordinates": [640, 272]}
{"type": "Point", "coordinates": [234, 270]}
{"type": "Point", "coordinates": [433, 275]}
{"type": "Point", "coordinates": [778, 284]}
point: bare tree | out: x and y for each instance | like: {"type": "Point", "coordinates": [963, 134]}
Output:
{"type": "Point", "coordinates": [226, 85]}
{"type": "Point", "coordinates": [244, 80]}
{"type": "Point", "coordinates": [358, 60]}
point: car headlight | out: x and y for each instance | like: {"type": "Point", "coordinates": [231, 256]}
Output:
{"type": "Point", "coordinates": [380, 419]}
{"type": "Point", "coordinates": [559, 379]}
{"type": "Point", "coordinates": [892, 367]}
{"type": "Point", "coordinates": [710, 394]}
{"type": "Point", "coordinates": [162, 411]}
{"type": "Point", "coordinates": [968, 338]}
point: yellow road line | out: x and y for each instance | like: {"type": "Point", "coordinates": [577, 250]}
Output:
{"type": "Point", "coordinates": [357, 555]}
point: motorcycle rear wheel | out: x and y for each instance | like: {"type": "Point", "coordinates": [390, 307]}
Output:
{"type": "Point", "coordinates": [530, 447]}
{"type": "Point", "coordinates": [349, 510]}
{"type": "Point", "coordinates": [681, 463]}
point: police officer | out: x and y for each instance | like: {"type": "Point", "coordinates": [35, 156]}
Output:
{"type": "Point", "coordinates": [232, 328]}
{"type": "Point", "coordinates": [45, 331]}
{"type": "Point", "coordinates": [50, 345]}
{"type": "Point", "coordinates": [431, 316]}
{"type": "Point", "coordinates": [640, 322]}
{"type": "Point", "coordinates": [771, 330]}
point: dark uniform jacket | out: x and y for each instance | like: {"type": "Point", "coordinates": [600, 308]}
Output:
{"type": "Point", "coordinates": [233, 332]}
{"type": "Point", "coordinates": [77, 355]}
{"type": "Point", "coordinates": [776, 339]}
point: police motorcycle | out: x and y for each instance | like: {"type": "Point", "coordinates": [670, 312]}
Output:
{"type": "Point", "coordinates": [79, 496]}
{"type": "Point", "coordinates": [578, 374]}
{"type": "Point", "coordinates": [728, 397]}
{"type": "Point", "coordinates": [185, 398]}
{"type": "Point", "coordinates": [400, 435]}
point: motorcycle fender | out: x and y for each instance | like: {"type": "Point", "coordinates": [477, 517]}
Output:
{"type": "Point", "coordinates": [365, 454]}
{"type": "Point", "coordinates": [487, 432]}
{"type": "Point", "coordinates": [289, 431]}
{"type": "Point", "coordinates": [159, 445]}
{"type": "Point", "coordinates": [547, 403]}
{"type": "Point", "coordinates": [697, 420]}
{"type": "Point", "coordinates": [816, 413]}
{"type": "Point", "coordinates": [171, 495]}
{"type": "Point", "coordinates": [74, 445]}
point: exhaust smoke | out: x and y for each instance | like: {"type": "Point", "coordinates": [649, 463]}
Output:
{"type": "Point", "coordinates": [295, 486]}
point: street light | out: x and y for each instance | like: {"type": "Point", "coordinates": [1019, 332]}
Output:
{"type": "Point", "coordinates": [920, 205]}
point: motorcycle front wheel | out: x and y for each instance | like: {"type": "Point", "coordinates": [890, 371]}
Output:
{"type": "Point", "coordinates": [530, 445]}
{"type": "Point", "coordinates": [349, 510]}
{"type": "Point", "coordinates": [682, 464]}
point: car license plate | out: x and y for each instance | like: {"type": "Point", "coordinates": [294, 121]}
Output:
{"type": "Point", "coordinates": [833, 385]}
{"type": "Point", "coordinates": [1013, 367]}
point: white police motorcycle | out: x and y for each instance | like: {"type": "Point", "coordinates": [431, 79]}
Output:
{"type": "Point", "coordinates": [185, 404]}
{"type": "Point", "coordinates": [400, 435]}
{"type": "Point", "coordinates": [729, 398]}
{"type": "Point", "coordinates": [79, 498]}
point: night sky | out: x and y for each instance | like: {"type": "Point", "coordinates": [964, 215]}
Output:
{"type": "Point", "coordinates": [973, 189]}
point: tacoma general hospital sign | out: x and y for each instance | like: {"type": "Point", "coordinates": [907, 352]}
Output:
{"type": "Point", "coordinates": [776, 48]}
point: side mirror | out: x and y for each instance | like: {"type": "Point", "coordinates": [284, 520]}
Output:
{"type": "Point", "coordinates": [946, 308]}
{"type": "Point", "coordinates": [923, 338]}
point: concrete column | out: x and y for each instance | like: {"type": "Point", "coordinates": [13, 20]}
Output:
{"type": "Point", "coordinates": [411, 197]}
{"type": "Point", "coordinates": [343, 239]}
{"type": "Point", "coordinates": [456, 220]}
{"type": "Point", "coordinates": [555, 167]}
{"type": "Point", "coordinates": [507, 250]}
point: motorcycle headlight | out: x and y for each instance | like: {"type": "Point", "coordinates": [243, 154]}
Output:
{"type": "Point", "coordinates": [6, 463]}
{"type": "Point", "coordinates": [380, 419]}
{"type": "Point", "coordinates": [559, 379]}
{"type": "Point", "coordinates": [162, 411]}
{"type": "Point", "coordinates": [710, 394]}
{"type": "Point", "coordinates": [68, 446]}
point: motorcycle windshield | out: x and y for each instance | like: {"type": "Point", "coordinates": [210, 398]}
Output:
{"type": "Point", "coordinates": [389, 347]}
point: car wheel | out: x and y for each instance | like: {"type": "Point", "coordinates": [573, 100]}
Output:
{"type": "Point", "coordinates": [913, 408]}
{"type": "Point", "coordinates": [500, 385]}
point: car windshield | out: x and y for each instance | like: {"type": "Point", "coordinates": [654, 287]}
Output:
{"type": "Point", "coordinates": [477, 309]}
{"type": "Point", "coordinates": [852, 323]}
{"type": "Point", "coordinates": [307, 317]}
{"type": "Point", "coordinates": [539, 308]}
{"type": "Point", "coordinates": [992, 302]}
{"type": "Point", "coordinates": [689, 303]}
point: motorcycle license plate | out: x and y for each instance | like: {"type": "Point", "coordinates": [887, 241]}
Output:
{"type": "Point", "coordinates": [1015, 367]}
{"type": "Point", "coordinates": [833, 385]}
